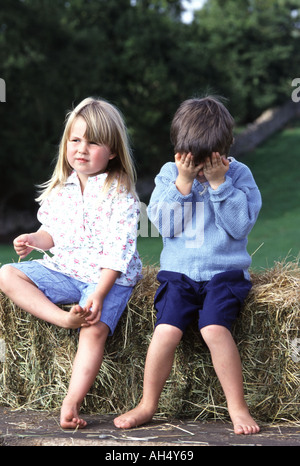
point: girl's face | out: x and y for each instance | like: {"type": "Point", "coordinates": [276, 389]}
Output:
{"type": "Point", "coordinates": [87, 158]}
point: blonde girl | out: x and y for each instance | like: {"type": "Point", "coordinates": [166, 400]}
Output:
{"type": "Point", "coordinates": [89, 212]}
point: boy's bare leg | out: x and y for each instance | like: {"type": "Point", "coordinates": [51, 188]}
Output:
{"type": "Point", "coordinates": [227, 364]}
{"type": "Point", "coordinates": [158, 366]}
{"type": "Point", "coordinates": [86, 366]}
{"type": "Point", "coordinates": [25, 294]}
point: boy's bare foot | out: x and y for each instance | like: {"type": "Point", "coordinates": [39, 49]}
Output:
{"type": "Point", "coordinates": [243, 423]}
{"type": "Point", "coordinates": [69, 418]}
{"type": "Point", "coordinates": [134, 418]}
{"type": "Point", "coordinates": [76, 317]}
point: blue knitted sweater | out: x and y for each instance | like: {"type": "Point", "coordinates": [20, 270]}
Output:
{"type": "Point", "coordinates": [205, 232]}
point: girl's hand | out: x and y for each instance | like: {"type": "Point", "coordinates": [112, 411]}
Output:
{"type": "Point", "coordinates": [215, 169]}
{"type": "Point", "coordinates": [94, 304]}
{"type": "Point", "coordinates": [21, 245]}
{"type": "Point", "coordinates": [40, 240]}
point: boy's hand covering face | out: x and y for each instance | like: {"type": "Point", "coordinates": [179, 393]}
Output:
{"type": "Point", "coordinates": [213, 169]}
{"type": "Point", "coordinates": [186, 166]}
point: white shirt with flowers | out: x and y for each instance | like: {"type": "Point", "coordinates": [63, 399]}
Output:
{"type": "Point", "coordinates": [91, 233]}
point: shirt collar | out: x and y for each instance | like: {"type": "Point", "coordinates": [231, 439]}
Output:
{"type": "Point", "coordinates": [97, 179]}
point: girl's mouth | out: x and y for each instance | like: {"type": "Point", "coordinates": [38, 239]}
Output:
{"type": "Point", "coordinates": [81, 160]}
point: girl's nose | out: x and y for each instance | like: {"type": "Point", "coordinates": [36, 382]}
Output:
{"type": "Point", "coordinates": [82, 147]}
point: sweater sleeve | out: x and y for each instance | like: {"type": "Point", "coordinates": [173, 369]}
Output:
{"type": "Point", "coordinates": [165, 208]}
{"type": "Point", "coordinates": [237, 202]}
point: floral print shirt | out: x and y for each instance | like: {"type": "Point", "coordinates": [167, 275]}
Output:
{"type": "Point", "coordinates": [91, 233]}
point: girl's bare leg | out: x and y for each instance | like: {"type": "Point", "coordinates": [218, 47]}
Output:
{"type": "Point", "coordinates": [227, 364]}
{"type": "Point", "coordinates": [158, 366]}
{"type": "Point", "coordinates": [86, 366]}
{"type": "Point", "coordinates": [25, 294]}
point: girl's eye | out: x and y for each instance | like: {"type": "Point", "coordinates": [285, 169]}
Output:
{"type": "Point", "coordinates": [94, 143]}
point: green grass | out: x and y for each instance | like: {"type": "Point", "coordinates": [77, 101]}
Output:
{"type": "Point", "coordinates": [275, 166]}
{"type": "Point", "coordinates": [7, 254]}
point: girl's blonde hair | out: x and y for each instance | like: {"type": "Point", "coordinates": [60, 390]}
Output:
{"type": "Point", "coordinates": [104, 125]}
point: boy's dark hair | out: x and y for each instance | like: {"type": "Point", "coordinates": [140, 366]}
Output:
{"type": "Point", "coordinates": [202, 126]}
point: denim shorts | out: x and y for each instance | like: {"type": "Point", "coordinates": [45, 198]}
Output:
{"type": "Point", "coordinates": [61, 289]}
{"type": "Point", "coordinates": [179, 300]}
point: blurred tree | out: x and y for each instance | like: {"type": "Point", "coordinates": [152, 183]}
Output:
{"type": "Point", "coordinates": [33, 47]}
{"type": "Point", "coordinates": [141, 57]}
{"type": "Point", "coordinates": [55, 53]}
{"type": "Point", "coordinates": [171, 7]}
{"type": "Point", "coordinates": [252, 49]}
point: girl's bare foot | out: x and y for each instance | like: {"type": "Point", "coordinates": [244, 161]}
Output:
{"type": "Point", "coordinates": [76, 317]}
{"type": "Point", "coordinates": [134, 418]}
{"type": "Point", "coordinates": [69, 418]}
{"type": "Point", "coordinates": [243, 423]}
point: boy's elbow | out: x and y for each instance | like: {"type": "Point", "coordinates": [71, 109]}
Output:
{"type": "Point", "coordinates": [243, 231]}
{"type": "Point", "coordinates": [240, 234]}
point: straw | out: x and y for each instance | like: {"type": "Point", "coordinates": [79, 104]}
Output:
{"type": "Point", "coordinates": [36, 249]}
{"type": "Point", "coordinates": [39, 356]}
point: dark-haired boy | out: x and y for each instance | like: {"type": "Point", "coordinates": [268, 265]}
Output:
{"type": "Point", "coordinates": [204, 205]}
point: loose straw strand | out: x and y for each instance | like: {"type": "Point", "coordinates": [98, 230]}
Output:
{"type": "Point", "coordinates": [37, 249]}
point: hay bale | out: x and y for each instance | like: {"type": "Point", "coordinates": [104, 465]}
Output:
{"type": "Point", "coordinates": [36, 369]}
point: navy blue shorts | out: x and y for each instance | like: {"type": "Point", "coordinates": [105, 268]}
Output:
{"type": "Point", "coordinates": [179, 300]}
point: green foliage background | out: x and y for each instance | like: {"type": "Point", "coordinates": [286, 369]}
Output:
{"type": "Point", "coordinates": [141, 57]}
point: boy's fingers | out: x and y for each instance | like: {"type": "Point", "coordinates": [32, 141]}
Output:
{"type": "Point", "coordinates": [225, 161]}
